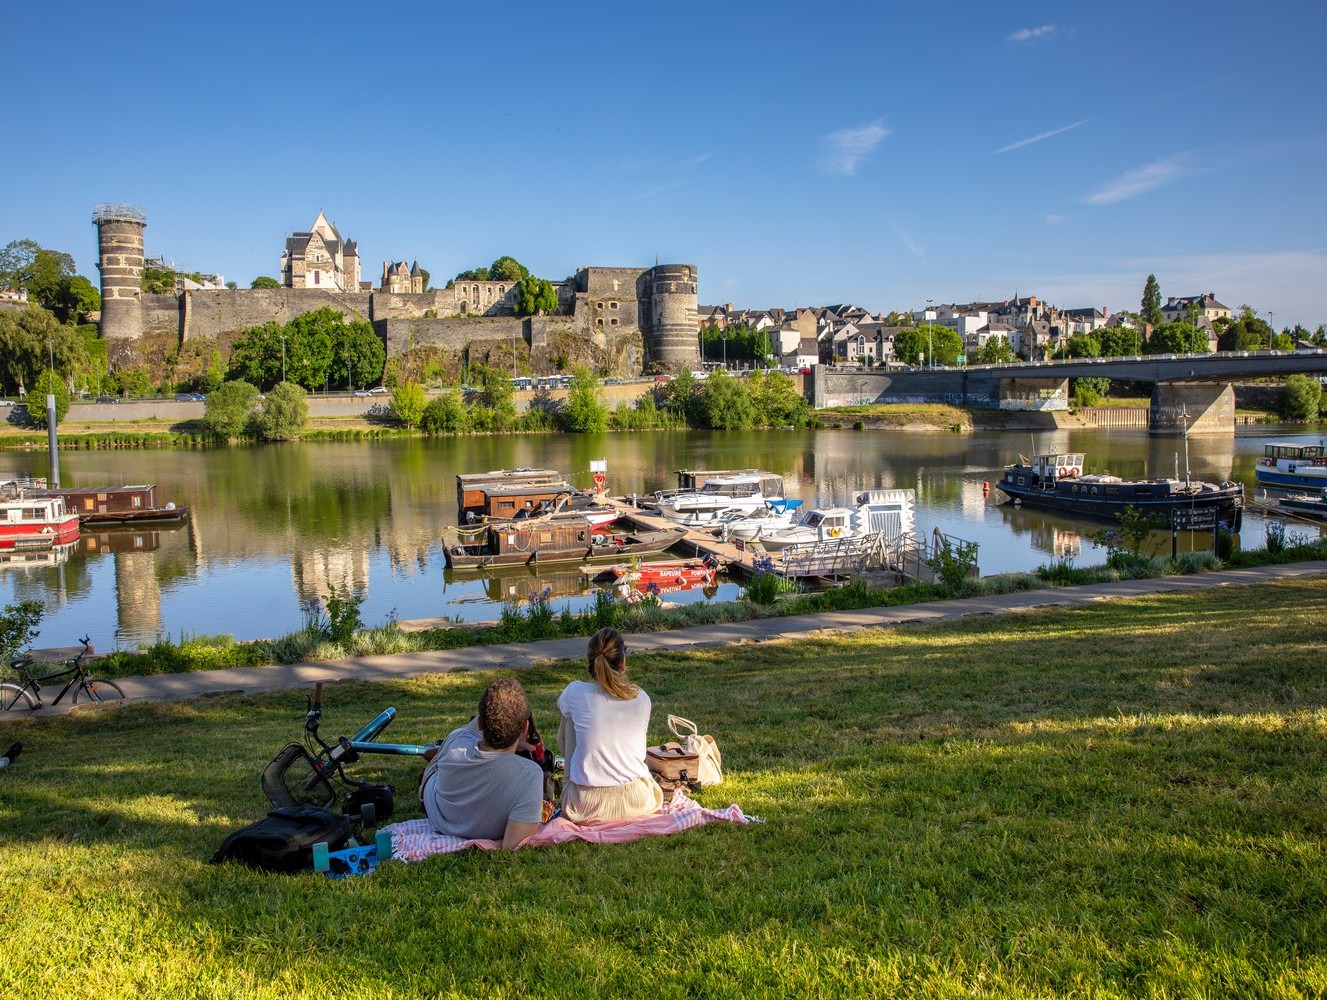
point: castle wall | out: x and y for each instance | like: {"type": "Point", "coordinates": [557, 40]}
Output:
{"type": "Point", "coordinates": [219, 311]}
{"type": "Point", "coordinates": [161, 314]}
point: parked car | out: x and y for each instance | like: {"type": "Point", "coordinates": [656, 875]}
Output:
{"type": "Point", "coordinates": [361, 392]}
{"type": "Point", "coordinates": [190, 397]}
{"type": "Point", "coordinates": [108, 399]}
{"type": "Point", "coordinates": [378, 390]}
{"type": "Point", "coordinates": [663, 378]}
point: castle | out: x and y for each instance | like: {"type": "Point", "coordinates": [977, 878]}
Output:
{"type": "Point", "coordinates": [626, 320]}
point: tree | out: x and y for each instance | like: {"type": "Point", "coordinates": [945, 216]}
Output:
{"type": "Point", "coordinates": [409, 402]}
{"type": "Point", "coordinates": [996, 351]}
{"type": "Point", "coordinates": [1177, 338]}
{"type": "Point", "coordinates": [1088, 391]}
{"type": "Point", "coordinates": [23, 339]}
{"type": "Point", "coordinates": [18, 627]}
{"type": "Point", "coordinates": [1119, 341]}
{"type": "Point", "coordinates": [27, 264]}
{"type": "Point", "coordinates": [680, 398]}
{"type": "Point", "coordinates": [47, 382]}
{"type": "Point", "coordinates": [157, 281]}
{"type": "Point", "coordinates": [1150, 307]}
{"type": "Point", "coordinates": [585, 412]}
{"type": "Point", "coordinates": [76, 298]}
{"type": "Point", "coordinates": [263, 281]}
{"type": "Point", "coordinates": [534, 296]}
{"type": "Point", "coordinates": [1082, 345]}
{"type": "Point", "coordinates": [725, 403]}
{"type": "Point", "coordinates": [227, 410]}
{"type": "Point", "coordinates": [938, 344]}
{"type": "Point", "coordinates": [358, 355]}
{"type": "Point", "coordinates": [506, 269]}
{"type": "Point", "coordinates": [1299, 398]}
{"type": "Point", "coordinates": [284, 413]}
{"type": "Point", "coordinates": [444, 413]}
{"type": "Point", "coordinates": [776, 400]}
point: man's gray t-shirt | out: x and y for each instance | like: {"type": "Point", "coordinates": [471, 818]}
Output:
{"type": "Point", "coordinates": [472, 793]}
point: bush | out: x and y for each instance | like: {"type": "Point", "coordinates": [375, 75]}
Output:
{"type": "Point", "coordinates": [48, 382]}
{"type": "Point", "coordinates": [446, 413]}
{"type": "Point", "coordinates": [18, 627]}
{"type": "Point", "coordinates": [284, 413]}
{"type": "Point", "coordinates": [409, 403]}
{"type": "Point", "coordinates": [1299, 398]}
{"type": "Point", "coordinates": [227, 410]}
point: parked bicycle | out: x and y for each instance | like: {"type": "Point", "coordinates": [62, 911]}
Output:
{"type": "Point", "coordinates": [27, 693]}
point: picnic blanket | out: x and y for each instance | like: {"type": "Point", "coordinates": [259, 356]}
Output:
{"type": "Point", "coordinates": [415, 839]}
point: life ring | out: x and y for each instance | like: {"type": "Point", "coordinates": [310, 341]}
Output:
{"type": "Point", "coordinates": [599, 480]}
{"type": "Point", "coordinates": [1269, 462]}
{"type": "Point", "coordinates": [835, 532]}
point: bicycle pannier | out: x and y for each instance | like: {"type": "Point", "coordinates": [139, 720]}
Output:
{"type": "Point", "coordinates": [283, 841]}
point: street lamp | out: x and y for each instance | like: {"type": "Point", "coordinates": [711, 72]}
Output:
{"type": "Point", "coordinates": [724, 337]}
{"type": "Point", "coordinates": [283, 357]}
{"type": "Point", "coordinates": [930, 347]}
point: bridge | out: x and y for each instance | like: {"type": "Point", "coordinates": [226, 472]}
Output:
{"type": "Point", "coordinates": [1190, 392]}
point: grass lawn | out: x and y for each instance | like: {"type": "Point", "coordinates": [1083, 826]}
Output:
{"type": "Point", "coordinates": [1127, 799]}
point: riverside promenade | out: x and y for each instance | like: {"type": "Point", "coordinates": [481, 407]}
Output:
{"type": "Point", "coordinates": [515, 656]}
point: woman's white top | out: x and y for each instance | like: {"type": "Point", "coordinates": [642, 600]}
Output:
{"type": "Point", "coordinates": [609, 735]}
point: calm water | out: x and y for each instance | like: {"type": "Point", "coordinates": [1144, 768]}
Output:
{"type": "Point", "coordinates": [271, 525]}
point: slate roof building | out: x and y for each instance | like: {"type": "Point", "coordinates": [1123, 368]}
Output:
{"type": "Point", "coordinates": [320, 258]}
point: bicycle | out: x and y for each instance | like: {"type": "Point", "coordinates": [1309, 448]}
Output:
{"type": "Point", "coordinates": [28, 693]}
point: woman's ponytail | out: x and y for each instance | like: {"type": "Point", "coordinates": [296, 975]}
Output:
{"type": "Point", "coordinates": [606, 657]}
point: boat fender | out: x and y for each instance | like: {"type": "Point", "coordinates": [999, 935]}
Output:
{"type": "Point", "coordinates": [835, 532]}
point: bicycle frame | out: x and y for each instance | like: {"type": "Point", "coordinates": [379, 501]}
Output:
{"type": "Point", "coordinates": [34, 684]}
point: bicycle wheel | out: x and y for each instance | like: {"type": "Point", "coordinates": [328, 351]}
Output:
{"type": "Point", "coordinates": [15, 697]}
{"type": "Point", "coordinates": [98, 689]}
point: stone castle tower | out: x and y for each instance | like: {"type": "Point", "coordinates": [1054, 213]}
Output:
{"type": "Point", "coordinates": [120, 260]}
{"type": "Point", "coordinates": [673, 309]}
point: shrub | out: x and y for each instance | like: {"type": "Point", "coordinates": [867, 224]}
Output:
{"type": "Point", "coordinates": [48, 382]}
{"type": "Point", "coordinates": [284, 413]}
{"type": "Point", "coordinates": [227, 409]}
{"type": "Point", "coordinates": [409, 403]}
{"type": "Point", "coordinates": [766, 585]}
{"type": "Point", "coordinates": [446, 413]}
{"type": "Point", "coordinates": [18, 627]}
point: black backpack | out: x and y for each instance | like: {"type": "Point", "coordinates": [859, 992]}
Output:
{"type": "Point", "coordinates": [283, 841]}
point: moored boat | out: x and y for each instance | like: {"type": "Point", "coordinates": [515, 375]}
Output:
{"type": "Point", "coordinates": [776, 515]}
{"type": "Point", "coordinates": [567, 539]}
{"type": "Point", "coordinates": [32, 522]}
{"type": "Point", "coordinates": [108, 506]}
{"type": "Point", "coordinates": [721, 495]}
{"type": "Point", "coordinates": [891, 512]}
{"type": "Point", "coordinates": [1315, 505]}
{"type": "Point", "coordinates": [1058, 482]}
{"type": "Point", "coordinates": [1289, 465]}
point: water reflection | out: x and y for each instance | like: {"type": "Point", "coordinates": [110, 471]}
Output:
{"type": "Point", "coordinates": [271, 526]}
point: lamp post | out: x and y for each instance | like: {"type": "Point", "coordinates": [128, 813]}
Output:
{"type": "Point", "coordinates": [930, 347]}
{"type": "Point", "coordinates": [724, 337]}
{"type": "Point", "coordinates": [283, 357]}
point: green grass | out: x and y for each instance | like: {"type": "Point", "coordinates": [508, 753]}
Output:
{"type": "Point", "coordinates": [1120, 800]}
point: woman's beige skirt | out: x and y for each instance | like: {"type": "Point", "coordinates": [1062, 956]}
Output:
{"type": "Point", "coordinates": [583, 804]}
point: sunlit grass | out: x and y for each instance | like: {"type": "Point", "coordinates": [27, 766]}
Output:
{"type": "Point", "coordinates": [1126, 799]}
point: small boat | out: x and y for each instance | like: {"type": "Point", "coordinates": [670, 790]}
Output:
{"type": "Point", "coordinates": [33, 522]}
{"type": "Point", "coordinates": [742, 493]}
{"type": "Point", "coordinates": [519, 488]}
{"type": "Point", "coordinates": [1314, 505]}
{"type": "Point", "coordinates": [108, 506]}
{"type": "Point", "coordinates": [776, 515]}
{"type": "Point", "coordinates": [537, 542]}
{"type": "Point", "coordinates": [1058, 482]}
{"type": "Point", "coordinates": [1286, 464]}
{"type": "Point", "coordinates": [891, 512]}
{"type": "Point", "coordinates": [664, 576]}
{"type": "Point", "coordinates": [570, 503]}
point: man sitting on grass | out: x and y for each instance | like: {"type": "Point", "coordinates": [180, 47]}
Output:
{"type": "Point", "coordinates": [476, 786]}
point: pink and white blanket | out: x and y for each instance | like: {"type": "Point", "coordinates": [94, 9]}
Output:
{"type": "Point", "coordinates": [414, 840]}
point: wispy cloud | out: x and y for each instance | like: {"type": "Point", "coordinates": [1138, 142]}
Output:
{"type": "Point", "coordinates": [1033, 34]}
{"type": "Point", "coordinates": [1037, 138]}
{"type": "Point", "coordinates": [697, 160]}
{"type": "Point", "coordinates": [841, 152]}
{"type": "Point", "coordinates": [660, 189]}
{"type": "Point", "coordinates": [1140, 180]}
{"type": "Point", "coordinates": [906, 239]}
{"type": "Point", "coordinates": [1056, 220]}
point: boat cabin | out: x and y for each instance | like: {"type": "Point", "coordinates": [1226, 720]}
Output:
{"type": "Point", "coordinates": [740, 485]}
{"type": "Point", "coordinates": [107, 499]}
{"type": "Point", "coordinates": [692, 480]}
{"type": "Point", "coordinates": [476, 493]}
{"type": "Point", "coordinates": [1302, 454]}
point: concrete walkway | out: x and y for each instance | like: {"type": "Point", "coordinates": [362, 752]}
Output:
{"type": "Point", "coordinates": [253, 680]}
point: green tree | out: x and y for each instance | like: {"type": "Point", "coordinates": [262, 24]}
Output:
{"type": "Point", "coordinates": [263, 281]}
{"type": "Point", "coordinates": [726, 404]}
{"type": "Point", "coordinates": [409, 403]}
{"type": "Point", "coordinates": [996, 351]}
{"type": "Point", "coordinates": [18, 627]}
{"type": "Point", "coordinates": [284, 413]}
{"type": "Point", "coordinates": [680, 398]}
{"type": "Point", "coordinates": [776, 400]}
{"type": "Point", "coordinates": [939, 345]}
{"type": "Point", "coordinates": [444, 413]}
{"type": "Point", "coordinates": [358, 355]}
{"type": "Point", "coordinates": [1150, 306]}
{"type": "Point", "coordinates": [157, 281]}
{"type": "Point", "coordinates": [27, 264]}
{"type": "Point", "coordinates": [534, 296]}
{"type": "Point", "coordinates": [1299, 398]}
{"type": "Point", "coordinates": [1081, 345]}
{"type": "Point", "coordinates": [24, 336]}
{"type": "Point", "coordinates": [1178, 337]}
{"type": "Point", "coordinates": [585, 411]}
{"type": "Point", "coordinates": [77, 298]}
{"type": "Point", "coordinates": [506, 269]}
{"type": "Point", "coordinates": [1089, 391]}
{"type": "Point", "coordinates": [1119, 341]}
{"type": "Point", "coordinates": [51, 383]}
{"type": "Point", "coordinates": [228, 409]}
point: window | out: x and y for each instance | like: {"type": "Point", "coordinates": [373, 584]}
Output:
{"type": "Point", "coordinates": [613, 321]}
{"type": "Point", "coordinates": [599, 321]}
{"type": "Point", "coordinates": [138, 501]}
{"type": "Point", "coordinates": [612, 305]}
{"type": "Point", "coordinates": [317, 277]}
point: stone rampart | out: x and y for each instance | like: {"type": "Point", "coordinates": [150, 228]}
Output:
{"type": "Point", "coordinates": [218, 312]}
{"type": "Point", "coordinates": [161, 314]}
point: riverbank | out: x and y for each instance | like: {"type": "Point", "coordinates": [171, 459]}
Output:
{"type": "Point", "coordinates": [1121, 795]}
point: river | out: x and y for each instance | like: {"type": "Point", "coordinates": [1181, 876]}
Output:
{"type": "Point", "coordinates": [272, 525]}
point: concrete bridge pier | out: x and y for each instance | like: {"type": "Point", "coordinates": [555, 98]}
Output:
{"type": "Point", "coordinates": [1198, 407]}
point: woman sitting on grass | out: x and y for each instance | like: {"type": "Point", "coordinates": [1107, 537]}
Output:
{"type": "Point", "coordinates": [603, 738]}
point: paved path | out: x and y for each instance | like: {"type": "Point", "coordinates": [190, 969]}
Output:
{"type": "Point", "coordinates": [251, 680]}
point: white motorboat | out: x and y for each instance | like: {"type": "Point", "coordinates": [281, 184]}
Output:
{"type": "Point", "coordinates": [891, 512]}
{"type": "Point", "coordinates": [721, 495]}
{"type": "Point", "coordinates": [777, 515]}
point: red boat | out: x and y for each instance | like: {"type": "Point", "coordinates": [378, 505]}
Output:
{"type": "Point", "coordinates": [667, 576]}
{"type": "Point", "coordinates": [32, 523]}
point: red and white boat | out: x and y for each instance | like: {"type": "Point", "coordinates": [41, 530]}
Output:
{"type": "Point", "coordinates": [31, 523]}
{"type": "Point", "coordinates": [665, 576]}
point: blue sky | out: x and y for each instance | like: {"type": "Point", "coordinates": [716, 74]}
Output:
{"type": "Point", "coordinates": [873, 153]}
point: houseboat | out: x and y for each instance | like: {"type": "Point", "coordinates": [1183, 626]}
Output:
{"type": "Point", "coordinates": [108, 506]}
{"type": "Point", "coordinates": [31, 522]}
{"type": "Point", "coordinates": [891, 512]}
{"type": "Point", "coordinates": [473, 490]}
{"type": "Point", "coordinates": [1289, 465]}
{"type": "Point", "coordinates": [1058, 482]}
{"type": "Point", "coordinates": [720, 495]}
{"type": "Point", "coordinates": [538, 542]}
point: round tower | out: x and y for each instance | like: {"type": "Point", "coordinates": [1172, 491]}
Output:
{"type": "Point", "coordinates": [673, 310]}
{"type": "Point", "coordinates": [120, 260]}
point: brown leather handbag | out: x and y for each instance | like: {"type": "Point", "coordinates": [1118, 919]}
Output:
{"type": "Point", "coordinates": [671, 765]}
